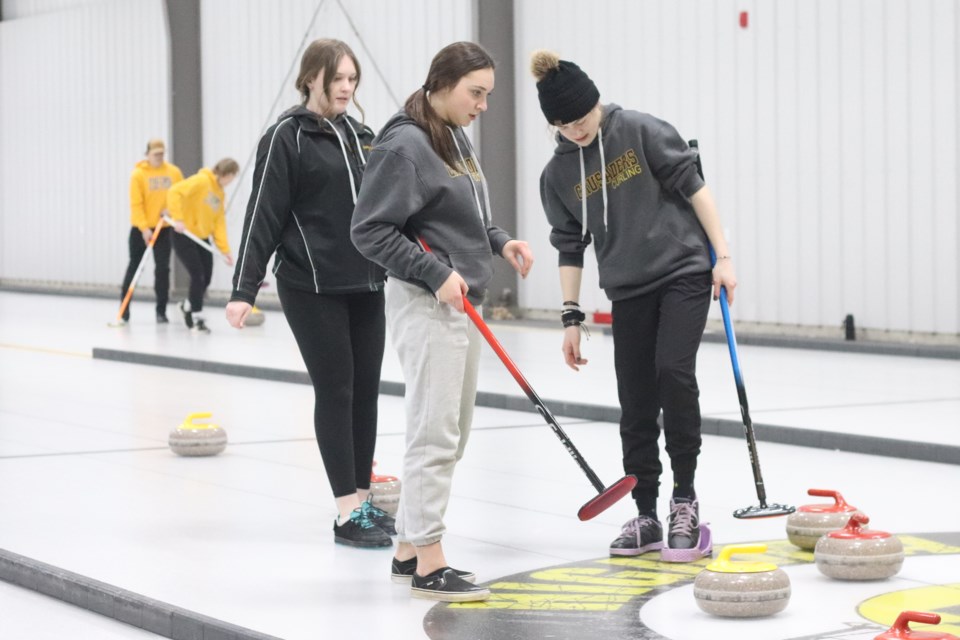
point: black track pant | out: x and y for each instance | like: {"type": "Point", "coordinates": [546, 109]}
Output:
{"type": "Point", "coordinates": [161, 269]}
{"type": "Point", "coordinates": [199, 264]}
{"type": "Point", "coordinates": [341, 339]}
{"type": "Point", "coordinates": [656, 337]}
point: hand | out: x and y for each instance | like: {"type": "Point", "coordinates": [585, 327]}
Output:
{"type": "Point", "coordinates": [147, 234]}
{"type": "Point", "coordinates": [724, 275]}
{"type": "Point", "coordinates": [237, 312]}
{"type": "Point", "coordinates": [452, 291]}
{"type": "Point", "coordinates": [571, 348]}
{"type": "Point", "coordinates": [178, 226]}
{"type": "Point", "coordinates": [519, 255]}
{"type": "Point", "coordinates": [229, 259]}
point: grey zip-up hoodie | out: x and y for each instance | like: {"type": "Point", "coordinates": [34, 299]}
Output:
{"type": "Point", "coordinates": [638, 174]}
{"type": "Point", "coordinates": [409, 193]}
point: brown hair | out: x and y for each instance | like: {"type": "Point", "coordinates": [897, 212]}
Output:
{"type": "Point", "coordinates": [226, 167]}
{"type": "Point", "coordinates": [325, 55]}
{"type": "Point", "coordinates": [449, 65]}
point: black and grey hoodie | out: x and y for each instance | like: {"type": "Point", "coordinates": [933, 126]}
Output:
{"type": "Point", "coordinates": [304, 188]}
{"type": "Point", "coordinates": [409, 193]}
{"type": "Point", "coordinates": [638, 174]}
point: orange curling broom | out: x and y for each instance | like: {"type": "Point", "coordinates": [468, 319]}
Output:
{"type": "Point", "coordinates": [606, 497]}
{"type": "Point", "coordinates": [136, 276]}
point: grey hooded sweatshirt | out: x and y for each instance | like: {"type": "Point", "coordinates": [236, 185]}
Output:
{"type": "Point", "coordinates": [408, 193]}
{"type": "Point", "coordinates": [638, 174]}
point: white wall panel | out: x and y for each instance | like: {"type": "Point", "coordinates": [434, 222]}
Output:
{"type": "Point", "coordinates": [82, 92]}
{"type": "Point", "coordinates": [250, 47]}
{"type": "Point", "coordinates": [14, 9]}
{"type": "Point", "coordinates": [829, 138]}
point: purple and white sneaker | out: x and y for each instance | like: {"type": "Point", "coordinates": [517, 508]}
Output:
{"type": "Point", "coordinates": [687, 539]}
{"type": "Point", "coordinates": [638, 535]}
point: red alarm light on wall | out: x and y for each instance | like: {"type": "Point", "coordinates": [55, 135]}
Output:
{"type": "Point", "coordinates": [744, 19]}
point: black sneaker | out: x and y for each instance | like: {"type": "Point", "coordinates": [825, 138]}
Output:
{"type": "Point", "coordinates": [445, 585]}
{"type": "Point", "coordinates": [359, 531]}
{"type": "Point", "coordinates": [638, 535]}
{"type": "Point", "coordinates": [380, 517]}
{"type": "Point", "coordinates": [162, 318]}
{"type": "Point", "coordinates": [187, 314]}
{"type": "Point", "coordinates": [402, 570]}
{"type": "Point", "coordinates": [199, 326]}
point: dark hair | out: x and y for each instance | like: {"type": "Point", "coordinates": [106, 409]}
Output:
{"type": "Point", "coordinates": [449, 65]}
{"type": "Point", "coordinates": [226, 167]}
{"type": "Point", "coordinates": [325, 55]}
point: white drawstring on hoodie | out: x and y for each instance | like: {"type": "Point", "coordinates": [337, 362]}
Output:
{"type": "Point", "coordinates": [603, 183]}
{"type": "Point", "coordinates": [353, 185]}
{"type": "Point", "coordinates": [484, 216]}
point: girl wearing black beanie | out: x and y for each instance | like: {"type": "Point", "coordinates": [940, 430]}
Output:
{"type": "Point", "coordinates": [628, 182]}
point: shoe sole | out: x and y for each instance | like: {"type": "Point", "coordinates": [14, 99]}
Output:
{"type": "Point", "coordinates": [703, 549]}
{"type": "Point", "coordinates": [446, 596]}
{"type": "Point", "coordinates": [363, 545]}
{"type": "Point", "coordinates": [396, 578]}
{"type": "Point", "coordinates": [653, 546]}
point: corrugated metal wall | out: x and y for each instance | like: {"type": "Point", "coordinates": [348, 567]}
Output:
{"type": "Point", "coordinates": [828, 129]}
{"type": "Point", "coordinates": [251, 57]}
{"type": "Point", "coordinates": [829, 136]}
{"type": "Point", "coordinates": [83, 90]}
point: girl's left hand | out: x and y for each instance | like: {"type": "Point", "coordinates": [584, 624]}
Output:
{"type": "Point", "coordinates": [724, 276]}
{"type": "Point", "coordinates": [519, 255]}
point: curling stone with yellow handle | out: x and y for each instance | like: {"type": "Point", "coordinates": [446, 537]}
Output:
{"type": "Point", "coordinates": [385, 492]}
{"type": "Point", "coordinates": [745, 589]}
{"type": "Point", "coordinates": [901, 628]}
{"type": "Point", "coordinates": [854, 553]}
{"type": "Point", "coordinates": [255, 318]}
{"type": "Point", "coordinates": [809, 522]}
{"type": "Point", "coordinates": [198, 439]}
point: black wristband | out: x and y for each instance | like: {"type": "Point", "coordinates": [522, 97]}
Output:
{"type": "Point", "coordinates": [572, 317]}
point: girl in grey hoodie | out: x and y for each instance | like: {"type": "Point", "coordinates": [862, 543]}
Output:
{"type": "Point", "coordinates": [629, 183]}
{"type": "Point", "coordinates": [423, 187]}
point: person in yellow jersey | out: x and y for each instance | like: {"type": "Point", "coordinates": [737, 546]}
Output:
{"type": "Point", "coordinates": [149, 183]}
{"type": "Point", "coordinates": [196, 206]}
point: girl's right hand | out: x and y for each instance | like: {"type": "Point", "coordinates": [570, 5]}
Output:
{"type": "Point", "coordinates": [452, 291]}
{"type": "Point", "coordinates": [571, 348]}
{"type": "Point", "coordinates": [237, 312]}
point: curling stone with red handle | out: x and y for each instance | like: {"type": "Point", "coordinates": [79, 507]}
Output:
{"type": "Point", "coordinates": [741, 589]}
{"type": "Point", "coordinates": [809, 522]}
{"type": "Point", "coordinates": [901, 628]}
{"type": "Point", "coordinates": [853, 553]}
{"type": "Point", "coordinates": [385, 492]}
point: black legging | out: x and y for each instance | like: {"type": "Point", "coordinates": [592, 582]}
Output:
{"type": "Point", "coordinates": [199, 264]}
{"type": "Point", "coordinates": [161, 268]}
{"type": "Point", "coordinates": [341, 340]}
{"type": "Point", "coordinates": [655, 341]}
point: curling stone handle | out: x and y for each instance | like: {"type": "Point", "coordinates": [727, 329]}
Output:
{"type": "Point", "coordinates": [906, 617]}
{"type": "Point", "coordinates": [198, 416]}
{"type": "Point", "coordinates": [829, 493]}
{"type": "Point", "coordinates": [740, 549]}
{"type": "Point", "coordinates": [856, 522]}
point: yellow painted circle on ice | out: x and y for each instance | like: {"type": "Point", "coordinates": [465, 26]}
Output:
{"type": "Point", "coordinates": [943, 599]}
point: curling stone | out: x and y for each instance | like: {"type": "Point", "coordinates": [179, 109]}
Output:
{"type": "Point", "coordinates": [742, 589]}
{"type": "Point", "coordinates": [255, 318]}
{"type": "Point", "coordinates": [385, 492]}
{"type": "Point", "coordinates": [809, 522]}
{"type": "Point", "coordinates": [198, 439]}
{"type": "Point", "coordinates": [853, 553]}
{"type": "Point", "coordinates": [901, 628]}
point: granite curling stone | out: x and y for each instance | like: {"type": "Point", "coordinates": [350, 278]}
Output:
{"type": "Point", "coordinates": [198, 439]}
{"type": "Point", "coordinates": [901, 628]}
{"type": "Point", "coordinates": [255, 318]}
{"type": "Point", "coordinates": [809, 522]}
{"type": "Point", "coordinates": [854, 553]}
{"type": "Point", "coordinates": [742, 589]}
{"type": "Point", "coordinates": [385, 492]}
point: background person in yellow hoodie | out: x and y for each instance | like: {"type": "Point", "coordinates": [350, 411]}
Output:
{"type": "Point", "coordinates": [196, 205]}
{"type": "Point", "coordinates": [149, 183]}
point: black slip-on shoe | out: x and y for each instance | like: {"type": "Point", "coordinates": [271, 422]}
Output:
{"type": "Point", "coordinates": [402, 570]}
{"type": "Point", "coordinates": [444, 585]}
